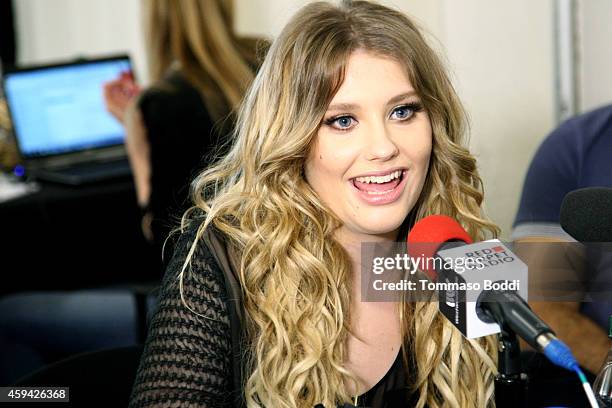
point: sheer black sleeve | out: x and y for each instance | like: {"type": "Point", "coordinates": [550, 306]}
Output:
{"type": "Point", "coordinates": [186, 360]}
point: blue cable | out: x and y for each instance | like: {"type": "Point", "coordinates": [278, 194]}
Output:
{"type": "Point", "coordinates": [583, 378]}
{"type": "Point", "coordinates": [560, 354]}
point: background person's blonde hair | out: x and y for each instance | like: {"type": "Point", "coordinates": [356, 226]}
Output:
{"type": "Point", "coordinates": [295, 276]}
{"type": "Point", "coordinates": [198, 36]}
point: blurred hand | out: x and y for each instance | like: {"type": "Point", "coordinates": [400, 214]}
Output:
{"type": "Point", "coordinates": [145, 225]}
{"type": "Point", "coordinates": [119, 94]}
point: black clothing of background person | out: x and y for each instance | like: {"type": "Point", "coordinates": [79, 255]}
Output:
{"type": "Point", "coordinates": [182, 137]}
{"type": "Point", "coordinates": [7, 34]}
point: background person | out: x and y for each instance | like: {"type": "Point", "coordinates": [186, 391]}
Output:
{"type": "Point", "coordinates": [200, 70]}
{"type": "Point", "coordinates": [575, 155]}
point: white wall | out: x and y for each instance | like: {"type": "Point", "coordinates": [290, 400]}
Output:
{"type": "Point", "coordinates": [500, 55]}
{"type": "Point", "coordinates": [251, 20]}
{"type": "Point", "coordinates": [51, 30]}
{"type": "Point", "coordinates": [595, 56]}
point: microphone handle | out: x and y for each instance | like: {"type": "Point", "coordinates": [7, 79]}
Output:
{"type": "Point", "coordinates": [507, 308]}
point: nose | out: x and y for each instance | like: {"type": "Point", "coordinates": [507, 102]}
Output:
{"type": "Point", "coordinates": [380, 146]}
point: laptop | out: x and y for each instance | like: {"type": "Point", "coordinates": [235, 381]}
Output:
{"type": "Point", "coordinates": [63, 132]}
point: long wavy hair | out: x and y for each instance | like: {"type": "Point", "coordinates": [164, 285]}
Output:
{"type": "Point", "coordinates": [198, 37]}
{"type": "Point", "coordinates": [295, 276]}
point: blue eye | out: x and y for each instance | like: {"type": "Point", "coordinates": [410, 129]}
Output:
{"type": "Point", "coordinates": [401, 113]}
{"type": "Point", "coordinates": [344, 122]}
{"type": "Point", "coordinates": [341, 122]}
{"type": "Point", "coordinates": [405, 112]}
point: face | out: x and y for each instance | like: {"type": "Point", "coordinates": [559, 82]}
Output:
{"type": "Point", "coordinates": [371, 153]}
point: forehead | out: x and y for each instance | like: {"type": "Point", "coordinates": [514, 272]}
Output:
{"type": "Point", "coordinates": [370, 77]}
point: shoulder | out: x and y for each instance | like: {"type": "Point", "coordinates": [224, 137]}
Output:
{"type": "Point", "coordinates": [593, 123]}
{"type": "Point", "coordinates": [557, 168]}
{"type": "Point", "coordinates": [579, 132]}
{"type": "Point", "coordinates": [194, 270]}
{"type": "Point", "coordinates": [172, 96]}
{"type": "Point", "coordinates": [192, 247]}
{"type": "Point", "coordinates": [565, 151]}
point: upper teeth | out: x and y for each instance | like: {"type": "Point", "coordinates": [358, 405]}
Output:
{"type": "Point", "coordinates": [380, 179]}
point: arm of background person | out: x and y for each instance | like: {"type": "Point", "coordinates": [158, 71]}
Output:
{"type": "Point", "coordinates": [139, 155]}
{"type": "Point", "coordinates": [553, 262]}
{"type": "Point", "coordinates": [120, 96]}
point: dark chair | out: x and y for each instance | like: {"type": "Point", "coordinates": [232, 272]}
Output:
{"type": "Point", "coordinates": [99, 378]}
{"type": "Point", "coordinates": [552, 386]}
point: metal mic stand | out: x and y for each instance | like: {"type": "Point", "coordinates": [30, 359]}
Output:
{"type": "Point", "coordinates": [510, 383]}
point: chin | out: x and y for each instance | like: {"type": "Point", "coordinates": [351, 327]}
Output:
{"type": "Point", "coordinates": [381, 226]}
{"type": "Point", "coordinates": [379, 221]}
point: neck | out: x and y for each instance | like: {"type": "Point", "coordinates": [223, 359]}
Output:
{"type": "Point", "coordinates": [362, 274]}
{"type": "Point", "coordinates": [351, 242]}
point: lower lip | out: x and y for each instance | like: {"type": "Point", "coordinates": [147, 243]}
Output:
{"type": "Point", "coordinates": [386, 198]}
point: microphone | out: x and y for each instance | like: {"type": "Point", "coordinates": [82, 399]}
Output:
{"type": "Point", "coordinates": [500, 305]}
{"type": "Point", "coordinates": [586, 214]}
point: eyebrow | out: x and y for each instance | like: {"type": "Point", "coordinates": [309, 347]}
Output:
{"type": "Point", "coordinates": [353, 106]}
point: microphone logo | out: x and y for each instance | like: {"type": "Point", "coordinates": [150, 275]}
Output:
{"type": "Point", "coordinates": [451, 297]}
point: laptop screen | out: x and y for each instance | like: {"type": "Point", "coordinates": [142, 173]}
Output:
{"type": "Point", "coordinates": [60, 109]}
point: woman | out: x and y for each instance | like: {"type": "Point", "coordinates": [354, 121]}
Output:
{"type": "Point", "coordinates": [350, 133]}
{"type": "Point", "coordinates": [200, 71]}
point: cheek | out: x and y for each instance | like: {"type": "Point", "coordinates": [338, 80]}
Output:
{"type": "Point", "coordinates": [423, 155]}
{"type": "Point", "coordinates": [330, 158]}
{"type": "Point", "coordinates": [423, 146]}
{"type": "Point", "coordinates": [318, 169]}
{"type": "Point", "coordinates": [418, 149]}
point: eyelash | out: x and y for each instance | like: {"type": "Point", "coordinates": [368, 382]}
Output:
{"type": "Point", "coordinates": [415, 107]}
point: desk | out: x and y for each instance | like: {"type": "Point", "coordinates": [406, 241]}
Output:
{"type": "Point", "coordinates": [64, 237]}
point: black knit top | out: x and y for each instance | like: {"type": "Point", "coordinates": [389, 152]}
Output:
{"type": "Point", "coordinates": [187, 358]}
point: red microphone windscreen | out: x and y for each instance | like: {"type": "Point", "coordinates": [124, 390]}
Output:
{"type": "Point", "coordinates": [429, 234]}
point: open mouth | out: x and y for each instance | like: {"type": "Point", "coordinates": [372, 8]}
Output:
{"type": "Point", "coordinates": [379, 185]}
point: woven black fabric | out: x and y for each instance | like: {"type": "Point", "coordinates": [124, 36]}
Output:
{"type": "Point", "coordinates": [186, 360]}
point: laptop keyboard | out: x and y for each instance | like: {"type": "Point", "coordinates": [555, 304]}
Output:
{"type": "Point", "coordinates": [82, 173]}
{"type": "Point", "coordinates": [116, 167]}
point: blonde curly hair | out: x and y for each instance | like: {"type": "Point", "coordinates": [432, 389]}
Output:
{"type": "Point", "coordinates": [294, 275]}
